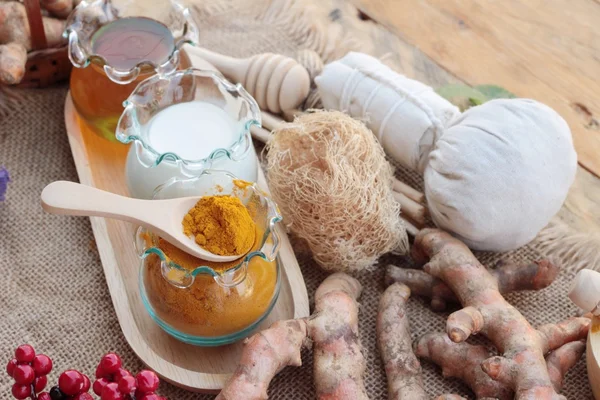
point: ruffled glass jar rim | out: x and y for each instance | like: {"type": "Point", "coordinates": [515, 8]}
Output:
{"type": "Point", "coordinates": [156, 93]}
{"type": "Point", "coordinates": [214, 182]}
{"type": "Point", "coordinates": [89, 16]}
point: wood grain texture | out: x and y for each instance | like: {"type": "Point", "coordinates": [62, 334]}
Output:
{"type": "Point", "coordinates": [101, 163]}
{"type": "Point", "coordinates": [543, 49]}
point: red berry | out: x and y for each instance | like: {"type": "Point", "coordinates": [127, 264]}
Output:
{"type": "Point", "coordinates": [23, 374]}
{"type": "Point", "coordinates": [70, 382]}
{"type": "Point", "coordinates": [150, 396]}
{"type": "Point", "coordinates": [110, 363]}
{"type": "Point", "coordinates": [82, 396]}
{"type": "Point", "coordinates": [127, 385]}
{"type": "Point", "coordinates": [86, 383]}
{"type": "Point", "coordinates": [100, 373]}
{"type": "Point", "coordinates": [147, 381]}
{"type": "Point", "coordinates": [21, 392]}
{"type": "Point", "coordinates": [24, 354]}
{"type": "Point", "coordinates": [10, 367]}
{"type": "Point", "coordinates": [120, 374]}
{"type": "Point", "coordinates": [42, 364]}
{"type": "Point", "coordinates": [99, 385]}
{"type": "Point", "coordinates": [44, 396]}
{"type": "Point", "coordinates": [111, 392]}
{"type": "Point", "coordinates": [40, 383]}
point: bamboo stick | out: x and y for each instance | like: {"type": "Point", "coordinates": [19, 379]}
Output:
{"type": "Point", "coordinates": [410, 208]}
{"type": "Point", "coordinates": [410, 228]}
{"type": "Point", "coordinates": [408, 191]}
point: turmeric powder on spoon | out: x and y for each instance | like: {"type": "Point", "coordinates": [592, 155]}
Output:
{"type": "Point", "coordinates": [221, 225]}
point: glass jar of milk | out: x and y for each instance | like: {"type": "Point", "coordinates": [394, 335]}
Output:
{"type": "Point", "coordinates": [183, 124]}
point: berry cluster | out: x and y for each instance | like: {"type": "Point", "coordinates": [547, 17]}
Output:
{"type": "Point", "coordinates": [113, 382]}
{"type": "Point", "coordinates": [72, 385]}
{"type": "Point", "coordinates": [116, 383]}
{"type": "Point", "coordinates": [29, 372]}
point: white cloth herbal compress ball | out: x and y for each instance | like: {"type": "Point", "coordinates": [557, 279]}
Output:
{"type": "Point", "coordinates": [494, 175]}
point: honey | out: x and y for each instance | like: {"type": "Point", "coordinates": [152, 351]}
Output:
{"type": "Point", "coordinates": [122, 44]}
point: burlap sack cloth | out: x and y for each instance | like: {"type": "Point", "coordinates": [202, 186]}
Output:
{"type": "Point", "coordinates": [52, 289]}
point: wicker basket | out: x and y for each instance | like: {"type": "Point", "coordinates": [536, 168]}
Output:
{"type": "Point", "coordinates": [45, 66]}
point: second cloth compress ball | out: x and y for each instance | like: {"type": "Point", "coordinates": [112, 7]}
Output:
{"type": "Point", "coordinates": [494, 175]}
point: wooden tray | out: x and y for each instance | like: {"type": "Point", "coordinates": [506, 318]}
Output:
{"type": "Point", "coordinates": [101, 164]}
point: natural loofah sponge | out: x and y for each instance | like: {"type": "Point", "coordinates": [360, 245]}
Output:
{"type": "Point", "coordinates": [329, 176]}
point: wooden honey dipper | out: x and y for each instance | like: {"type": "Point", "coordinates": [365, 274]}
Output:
{"type": "Point", "coordinates": [277, 82]}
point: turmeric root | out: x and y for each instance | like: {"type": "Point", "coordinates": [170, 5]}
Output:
{"type": "Point", "coordinates": [402, 368]}
{"type": "Point", "coordinates": [58, 8]}
{"type": "Point", "coordinates": [463, 361]}
{"type": "Point", "coordinates": [509, 276]}
{"type": "Point", "coordinates": [13, 57]}
{"type": "Point", "coordinates": [265, 354]}
{"type": "Point", "coordinates": [339, 364]}
{"type": "Point", "coordinates": [13, 24]}
{"type": "Point", "coordinates": [562, 359]}
{"type": "Point", "coordinates": [14, 27]}
{"type": "Point", "coordinates": [522, 367]}
{"type": "Point", "coordinates": [449, 397]}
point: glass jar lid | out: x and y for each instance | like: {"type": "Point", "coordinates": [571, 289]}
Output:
{"type": "Point", "coordinates": [127, 37]}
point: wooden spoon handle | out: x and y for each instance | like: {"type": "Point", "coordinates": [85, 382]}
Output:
{"type": "Point", "coordinates": [70, 198]}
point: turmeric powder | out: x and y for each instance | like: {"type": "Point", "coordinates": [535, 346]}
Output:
{"type": "Point", "coordinates": [220, 224]}
{"type": "Point", "coordinates": [205, 308]}
{"type": "Point", "coordinates": [241, 184]}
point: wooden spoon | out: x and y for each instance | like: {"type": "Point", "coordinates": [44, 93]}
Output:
{"type": "Point", "coordinates": [163, 217]}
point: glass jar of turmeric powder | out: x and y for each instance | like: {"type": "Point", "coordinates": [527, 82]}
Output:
{"type": "Point", "coordinates": [207, 303]}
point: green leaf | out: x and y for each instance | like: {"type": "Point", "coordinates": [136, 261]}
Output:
{"type": "Point", "coordinates": [494, 92]}
{"type": "Point", "coordinates": [475, 101]}
{"type": "Point", "coordinates": [462, 96]}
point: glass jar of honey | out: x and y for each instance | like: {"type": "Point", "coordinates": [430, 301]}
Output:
{"type": "Point", "coordinates": [114, 47]}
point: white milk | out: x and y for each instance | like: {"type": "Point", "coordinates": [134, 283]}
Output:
{"type": "Point", "coordinates": [191, 130]}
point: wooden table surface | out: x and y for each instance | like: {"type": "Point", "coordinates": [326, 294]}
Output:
{"type": "Point", "coordinates": [548, 50]}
